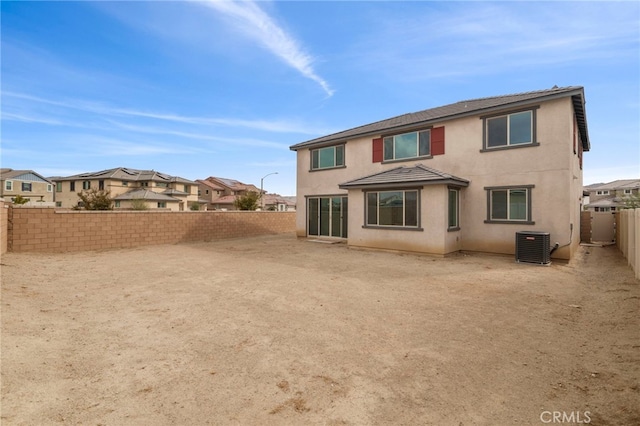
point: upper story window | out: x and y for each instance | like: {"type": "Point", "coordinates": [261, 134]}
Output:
{"type": "Point", "coordinates": [603, 192]}
{"type": "Point", "coordinates": [327, 157]}
{"type": "Point", "coordinates": [26, 186]}
{"type": "Point", "coordinates": [49, 187]}
{"type": "Point", "coordinates": [58, 186]}
{"type": "Point", "coordinates": [509, 130]}
{"type": "Point", "coordinates": [162, 184]}
{"type": "Point", "coordinates": [407, 145]}
{"type": "Point", "coordinates": [86, 184]}
{"type": "Point", "coordinates": [8, 185]}
{"type": "Point", "coordinates": [187, 189]}
{"type": "Point", "coordinates": [72, 186]}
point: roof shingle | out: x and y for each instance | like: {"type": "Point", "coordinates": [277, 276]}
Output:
{"type": "Point", "coordinates": [404, 176]}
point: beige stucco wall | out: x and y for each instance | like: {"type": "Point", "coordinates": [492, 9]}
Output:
{"type": "Point", "coordinates": [40, 191]}
{"type": "Point", "coordinates": [552, 167]}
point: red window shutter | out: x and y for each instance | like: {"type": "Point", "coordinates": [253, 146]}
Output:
{"type": "Point", "coordinates": [437, 141]}
{"type": "Point", "coordinates": [377, 150]}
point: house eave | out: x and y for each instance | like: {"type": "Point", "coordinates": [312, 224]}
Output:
{"type": "Point", "coordinates": [577, 96]}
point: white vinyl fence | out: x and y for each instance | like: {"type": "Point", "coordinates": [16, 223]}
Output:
{"type": "Point", "coordinates": [629, 237]}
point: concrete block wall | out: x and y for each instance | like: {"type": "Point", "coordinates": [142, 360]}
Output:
{"type": "Point", "coordinates": [51, 230]}
{"type": "Point", "coordinates": [4, 226]}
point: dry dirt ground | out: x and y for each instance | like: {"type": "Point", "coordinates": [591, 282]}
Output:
{"type": "Point", "coordinates": [277, 330]}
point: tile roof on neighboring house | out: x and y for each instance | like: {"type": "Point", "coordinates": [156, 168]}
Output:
{"type": "Point", "coordinates": [402, 176]}
{"type": "Point", "coordinates": [227, 199]}
{"type": "Point", "coordinates": [232, 184]}
{"type": "Point", "coordinates": [174, 192]}
{"type": "Point", "coordinates": [125, 174]}
{"type": "Point", "coordinates": [210, 184]}
{"type": "Point", "coordinates": [460, 109]}
{"type": "Point", "coordinates": [145, 194]}
{"type": "Point", "coordinates": [616, 184]}
{"type": "Point", "coordinates": [605, 202]}
{"type": "Point", "coordinates": [23, 175]}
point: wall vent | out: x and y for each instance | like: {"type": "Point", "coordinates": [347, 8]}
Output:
{"type": "Point", "coordinates": [533, 247]}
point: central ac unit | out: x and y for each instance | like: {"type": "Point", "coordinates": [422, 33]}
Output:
{"type": "Point", "coordinates": [533, 247]}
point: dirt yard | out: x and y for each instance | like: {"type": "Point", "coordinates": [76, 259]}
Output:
{"type": "Point", "coordinates": [275, 330]}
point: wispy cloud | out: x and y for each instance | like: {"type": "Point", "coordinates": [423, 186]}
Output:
{"type": "Point", "coordinates": [255, 23]}
{"type": "Point", "coordinates": [474, 38]}
{"type": "Point", "coordinates": [276, 126]}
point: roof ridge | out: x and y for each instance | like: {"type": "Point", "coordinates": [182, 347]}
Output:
{"type": "Point", "coordinates": [530, 92]}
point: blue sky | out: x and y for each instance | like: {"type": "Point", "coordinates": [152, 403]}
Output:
{"type": "Point", "coordinates": [198, 89]}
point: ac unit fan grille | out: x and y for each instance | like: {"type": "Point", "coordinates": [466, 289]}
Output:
{"type": "Point", "coordinates": [533, 247]}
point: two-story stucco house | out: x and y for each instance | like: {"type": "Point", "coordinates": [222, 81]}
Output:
{"type": "Point", "coordinates": [465, 176]}
{"type": "Point", "coordinates": [221, 193]}
{"type": "Point", "coordinates": [131, 188]}
{"type": "Point", "coordinates": [27, 184]}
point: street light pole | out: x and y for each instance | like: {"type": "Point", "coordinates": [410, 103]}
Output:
{"type": "Point", "coordinates": [261, 182]}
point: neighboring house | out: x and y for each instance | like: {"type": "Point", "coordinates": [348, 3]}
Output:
{"type": "Point", "coordinates": [221, 193]}
{"type": "Point", "coordinates": [464, 176]}
{"type": "Point", "coordinates": [609, 197]}
{"type": "Point", "coordinates": [27, 184]}
{"type": "Point", "coordinates": [131, 189]}
{"type": "Point", "coordinates": [278, 203]}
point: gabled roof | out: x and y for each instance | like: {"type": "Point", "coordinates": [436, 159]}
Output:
{"type": "Point", "coordinates": [405, 176]}
{"type": "Point", "coordinates": [145, 194]}
{"type": "Point", "coordinates": [210, 184]}
{"type": "Point", "coordinates": [232, 184]}
{"type": "Point", "coordinates": [461, 109]}
{"type": "Point", "coordinates": [22, 175]}
{"type": "Point", "coordinates": [125, 174]}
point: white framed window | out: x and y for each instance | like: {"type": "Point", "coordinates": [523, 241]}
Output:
{"type": "Point", "coordinates": [8, 185]}
{"type": "Point", "coordinates": [393, 209]}
{"type": "Point", "coordinates": [628, 191]}
{"type": "Point", "coordinates": [162, 204]}
{"type": "Point", "coordinates": [327, 158]}
{"type": "Point", "coordinates": [509, 204]}
{"type": "Point", "coordinates": [49, 187]}
{"type": "Point", "coordinates": [407, 145]}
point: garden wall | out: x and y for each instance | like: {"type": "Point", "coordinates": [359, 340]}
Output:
{"type": "Point", "coordinates": [51, 230]}
{"type": "Point", "coordinates": [4, 224]}
{"type": "Point", "coordinates": [628, 237]}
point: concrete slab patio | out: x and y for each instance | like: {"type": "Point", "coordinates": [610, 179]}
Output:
{"type": "Point", "coordinates": [278, 330]}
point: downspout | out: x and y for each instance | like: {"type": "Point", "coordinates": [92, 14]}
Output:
{"type": "Point", "coordinates": [557, 245]}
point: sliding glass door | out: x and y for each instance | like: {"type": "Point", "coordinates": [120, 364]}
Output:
{"type": "Point", "coordinates": [327, 216]}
